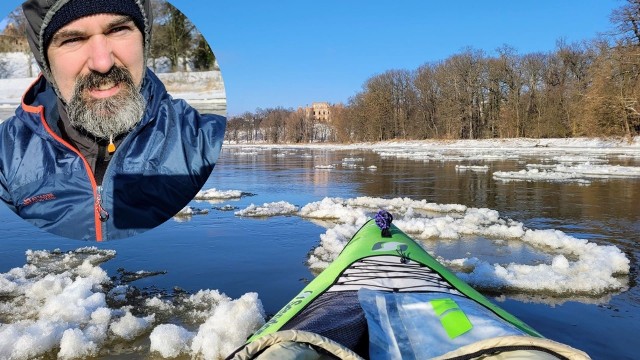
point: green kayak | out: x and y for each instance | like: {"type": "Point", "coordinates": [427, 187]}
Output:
{"type": "Point", "coordinates": [385, 297]}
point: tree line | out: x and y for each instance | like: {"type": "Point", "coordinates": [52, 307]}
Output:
{"type": "Point", "coordinates": [279, 125]}
{"type": "Point", "coordinates": [580, 89]}
{"type": "Point", "coordinates": [174, 37]}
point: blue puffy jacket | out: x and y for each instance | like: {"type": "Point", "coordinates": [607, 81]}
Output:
{"type": "Point", "coordinates": [155, 171]}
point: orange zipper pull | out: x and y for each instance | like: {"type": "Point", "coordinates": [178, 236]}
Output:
{"type": "Point", "coordinates": [112, 147]}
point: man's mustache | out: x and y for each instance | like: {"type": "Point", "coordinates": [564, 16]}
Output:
{"type": "Point", "coordinates": [96, 79]}
{"type": "Point", "coordinates": [110, 116]}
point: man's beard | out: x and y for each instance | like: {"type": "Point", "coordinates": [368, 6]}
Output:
{"type": "Point", "coordinates": [108, 117]}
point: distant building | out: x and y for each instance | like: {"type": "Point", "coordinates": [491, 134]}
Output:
{"type": "Point", "coordinates": [319, 111]}
{"type": "Point", "coordinates": [12, 40]}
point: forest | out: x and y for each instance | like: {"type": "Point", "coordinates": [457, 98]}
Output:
{"type": "Point", "coordinates": [587, 89]}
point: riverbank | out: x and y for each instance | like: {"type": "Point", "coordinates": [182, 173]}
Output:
{"type": "Point", "coordinates": [604, 144]}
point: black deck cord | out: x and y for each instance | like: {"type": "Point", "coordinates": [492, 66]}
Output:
{"type": "Point", "coordinates": [383, 220]}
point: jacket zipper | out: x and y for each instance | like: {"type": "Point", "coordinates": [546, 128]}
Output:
{"type": "Point", "coordinates": [104, 215]}
{"type": "Point", "coordinates": [98, 212]}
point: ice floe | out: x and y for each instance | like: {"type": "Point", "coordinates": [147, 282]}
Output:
{"type": "Point", "coordinates": [477, 168]}
{"type": "Point", "coordinates": [64, 305]}
{"type": "Point", "coordinates": [576, 266]}
{"type": "Point", "coordinates": [215, 194]}
{"type": "Point", "coordinates": [188, 211]}
{"type": "Point", "coordinates": [268, 209]}
{"type": "Point", "coordinates": [580, 173]}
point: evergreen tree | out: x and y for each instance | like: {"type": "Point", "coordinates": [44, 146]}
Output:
{"type": "Point", "coordinates": [203, 57]}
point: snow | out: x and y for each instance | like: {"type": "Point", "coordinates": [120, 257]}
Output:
{"type": "Point", "coordinates": [538, 175]}
{"type": "Point", "coordinates": [189, 211]}
{"type": "Point", "coordinates": [76, 345]}
{"type": "Point", "coordinates": [15, 65]}
{"type": "Point", "coordinates": [268, 209]}
{"type": "Point", "coordinates": [58, 304]}
{"type": "Point", "coordinates": [170, 340]}
{"type": "Point", "coordinates": [11, 91]}
{"type": "Point", "coordinates": [215, 194]}
{"type": "Point", "coordinates": [491, 149]}
{"type": "Point", "coordinates": [580, 173]}
{"type": "Point", "coordinates": [228, 326]}
{"type": "Point", "coordinates": [476, 168]}
{"type": "Point", "coordinates": [129, 326]}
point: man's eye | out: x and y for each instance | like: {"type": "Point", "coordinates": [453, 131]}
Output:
{"type": "Point", "coordinates": [70, 41]}
{"type": "Point", "coordinates": [119, 29]}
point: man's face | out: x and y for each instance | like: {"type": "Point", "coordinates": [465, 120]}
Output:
{"type": "Point", "coordinates": [97, 63]}
{"type": "Point", "coordinates": [95, 43]}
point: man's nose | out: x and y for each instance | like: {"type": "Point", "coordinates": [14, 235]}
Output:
{"type": "Point", "coordinates": [101, 58]}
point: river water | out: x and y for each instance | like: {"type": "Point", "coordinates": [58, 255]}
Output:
{"type": "Point", "coordinates": [268, 255]}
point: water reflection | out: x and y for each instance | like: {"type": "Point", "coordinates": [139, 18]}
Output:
{"type": "Point", "coordinates": [605, 201]}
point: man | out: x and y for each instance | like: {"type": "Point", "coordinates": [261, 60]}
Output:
{"type": "Point", "coordinates": [98, 149]}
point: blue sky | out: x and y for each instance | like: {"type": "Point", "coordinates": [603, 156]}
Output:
{"type": "Point", "coordinates": [292, 53]}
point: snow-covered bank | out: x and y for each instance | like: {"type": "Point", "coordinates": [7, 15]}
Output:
{"type": "Point", "coordinates": [11, 91]}
{"type": "Point", "coordinates": [519, 146]}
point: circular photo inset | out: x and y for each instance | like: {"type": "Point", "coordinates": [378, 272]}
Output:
{"type": "Point", "coordinates": [112, 115]}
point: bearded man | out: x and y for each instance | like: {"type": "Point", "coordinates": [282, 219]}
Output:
{"type": "Point", "coordinates": [98, 149]}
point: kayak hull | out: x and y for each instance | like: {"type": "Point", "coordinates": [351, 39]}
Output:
{"type": "Point", "coordinates": [408, 263]}
{"type": "Point", "coordinates": [385, 297]}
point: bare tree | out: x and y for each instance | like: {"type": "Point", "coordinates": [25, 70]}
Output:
{"type": "Point", "coordinates": [627, 22]}
{"type": "Point", "coordinates": [236, 129]}
{"type": "Point", "coordinates": [427, 94]}
{"type": "Point", "coordinates": [378, 102]}
{"type": "Point", "coordinates": [299, 126]}
{"type": "Point", "coordinates": [459, 79]}
{"type": "Point", "coordinates": [16, 32]}
{"type": "Point", "coordinates": [511, 84]}
{"type": "Point", "coordinates": [613, 99]}
{"type": "Point", "coordinates": [362, 128]}
{"type": "Point", "coordinates": [533, 70]}
{"type": "Point", "coordinates": [494, 97]}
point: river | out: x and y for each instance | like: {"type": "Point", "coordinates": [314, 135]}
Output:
{"type": "Point", "coordinates": [268, 255]}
